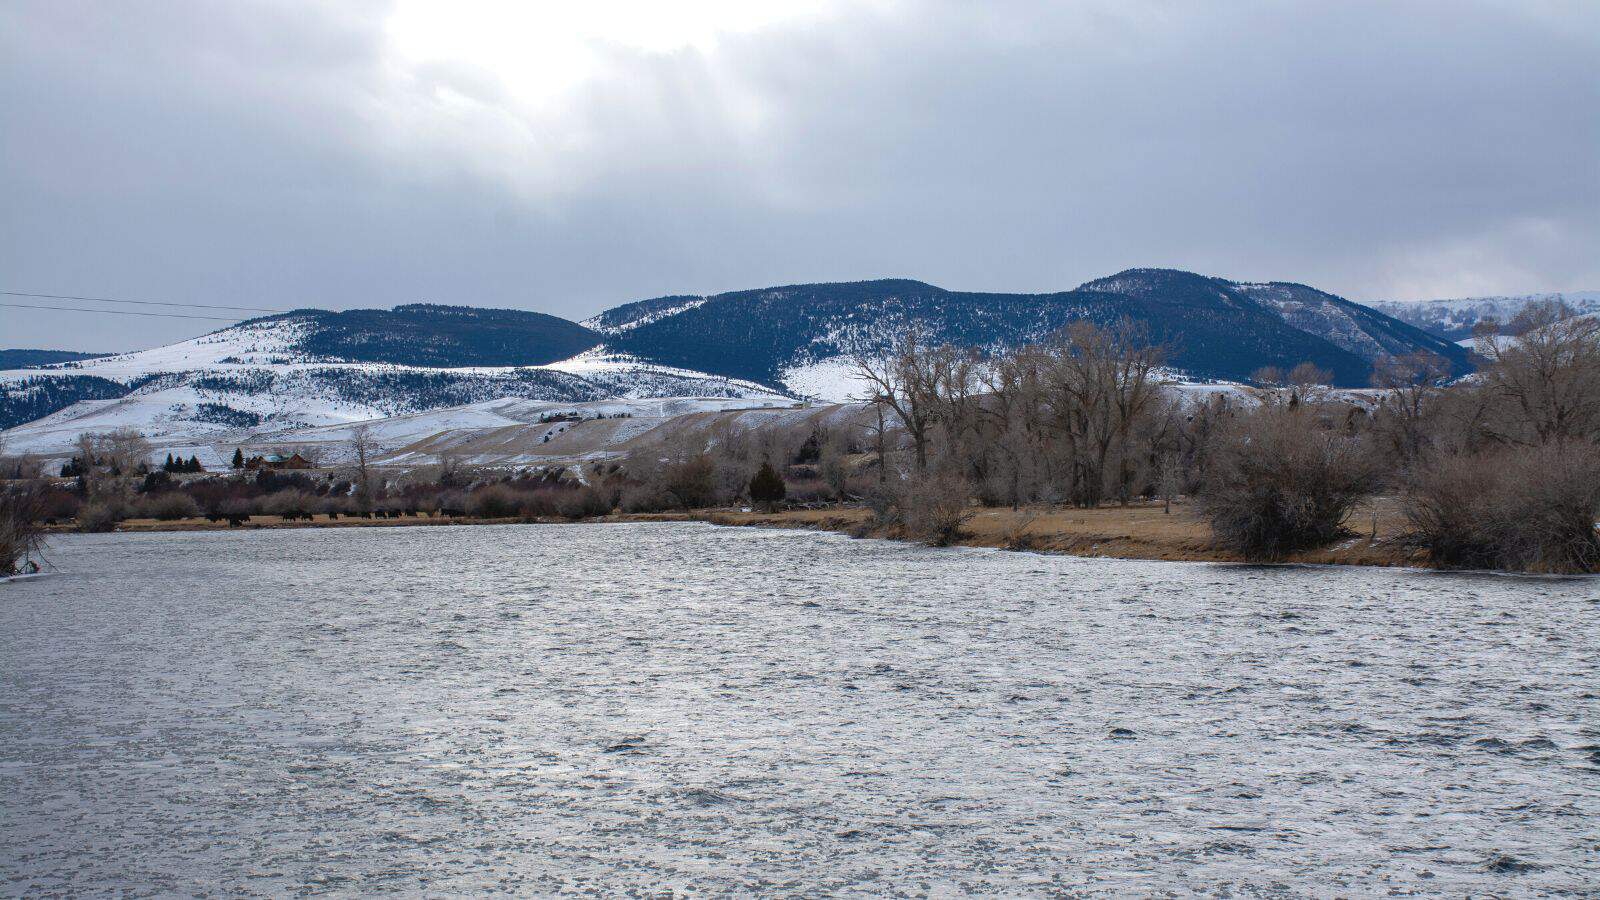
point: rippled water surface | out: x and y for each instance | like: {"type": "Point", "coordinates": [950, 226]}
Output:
{"type": "Point", "coordinates": [674, 707]}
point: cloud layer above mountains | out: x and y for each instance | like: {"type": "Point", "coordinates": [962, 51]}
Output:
{"type": "Point", "coordinates": [357, 154]}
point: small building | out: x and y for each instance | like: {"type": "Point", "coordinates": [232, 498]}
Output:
{"type": "Point", "coordinates": [277, 461]}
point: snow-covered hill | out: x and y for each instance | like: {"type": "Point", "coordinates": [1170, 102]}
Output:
{"type": "Point", "coordinates": [317, 368]}
{"type": "Point", "coordinates": [1454, 319]}
{"type": "Point", "coordinates": [512, 432]}
{"type": "Point", "coordinates": [256, 380]}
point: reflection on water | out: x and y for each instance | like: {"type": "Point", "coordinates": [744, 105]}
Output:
{"type": "Point", "coordinates": [655, 707]}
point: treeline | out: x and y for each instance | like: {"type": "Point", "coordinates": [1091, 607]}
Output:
{"type": "Point", "coordinates": [1498, 469]}
{"type": "Point", "coordinates": [28, 399]}
{"type": "Point", "coordinates": [110, 483]}
{"type": "Point", "coordinates": [240, 498]}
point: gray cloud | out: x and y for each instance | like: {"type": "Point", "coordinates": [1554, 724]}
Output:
{"type": "Point", "coordinates": [286, 155]}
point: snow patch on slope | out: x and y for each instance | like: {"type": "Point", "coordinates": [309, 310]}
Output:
{"type": "Point", "coordinates": [273, 342]}
{"type": "Point", "coordinates": [831, 380]}
{"type": "Point", "coordinates": [1312, 312]}
{"type": "Point", "coordinates": [512, 426]}
{"type": "Point", "coordinates": [601, 324]}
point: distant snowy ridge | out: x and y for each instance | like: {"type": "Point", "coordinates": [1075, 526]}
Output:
{"type": "Point", "coordinates": [1453, 319]}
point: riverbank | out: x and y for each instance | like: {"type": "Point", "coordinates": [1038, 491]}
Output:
{"type": "Point", "coordinates": [1134, 532]}
{"type": "Point", "coordinates": [1143, 531]}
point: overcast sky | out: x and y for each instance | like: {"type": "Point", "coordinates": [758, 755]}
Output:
{"type": "Point", "coordinates": [569, 158]}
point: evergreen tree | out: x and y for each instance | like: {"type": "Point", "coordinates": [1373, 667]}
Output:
{"type": "Point", "coordinates": [156, 482]}
{"type": "Point", "coordinates": [194, 464]}
{"type": "Point", "coordinates": [168, 465]}
{"type": "Point", "coordinates": [767, 486]}
{"type": "Point", "coordinates": [238, 458]}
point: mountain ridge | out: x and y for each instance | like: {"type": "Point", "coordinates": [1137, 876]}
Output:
{"type": "Point", "coordinates": [1454, 318]}
{"type": "Point", "coordinates": [27, 357]}
{"type": "Point", "coordinates": [1218, 328]}
{"type": "Point", "coordinates": [312, 368]}
{"type": "Point", "coordinates": [439, 336]}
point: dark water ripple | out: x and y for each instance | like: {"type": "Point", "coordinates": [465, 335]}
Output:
{"type": "Point", "coordinates": [645, 708]}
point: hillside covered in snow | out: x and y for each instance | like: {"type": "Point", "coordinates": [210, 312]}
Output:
{"type": "Point", "coordinates": [312, 369]}
{"type": "Point", "coordinates": [1453, 320]}
{"type": "Point", "coordinates": [269, 376]}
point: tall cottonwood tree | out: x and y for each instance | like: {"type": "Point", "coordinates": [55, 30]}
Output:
{"type": "Point", "coordinates": [1099, 382]}
{"type": "Point", "coordinates": [1547, 378]}
{"type": "Point", "coordinates": [908, 383]}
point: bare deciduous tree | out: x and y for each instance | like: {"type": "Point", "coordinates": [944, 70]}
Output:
{"type": "Point", "coordinates": [1099, 382]}
{"type": "Point", "coordinates": [909, 383]}
{"type": "Point", "coordinates": [1411, 384]}
{"type": "Point", "coordinates": [363, 446]}
{"type": "Point", "coordinates": [21, 508]}
{"type": "Point", "coordinates": [1548, 377]}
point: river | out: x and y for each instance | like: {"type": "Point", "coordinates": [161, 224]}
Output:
{"type": "Point", "coordinates": [678, 707]}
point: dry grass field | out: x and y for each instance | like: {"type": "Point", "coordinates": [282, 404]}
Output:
{"type": "Point", "coordinates": [1133, 532]}
{"type": "Point", "coordinates": [1141, 531]}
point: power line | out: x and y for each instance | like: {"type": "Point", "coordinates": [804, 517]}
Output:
{"type": "Point", "coordinates": [120, 312]}
{"type": "Point", "coordinates": [140, 302]}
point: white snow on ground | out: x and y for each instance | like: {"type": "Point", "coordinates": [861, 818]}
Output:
{"type": "Point", "coordinates": [1201, 392]}
{"type": "Point", "coordinates": [391, 434]}
{"type": "Point", "coordinates": [170, 419]}
{"type": "Point", "coordinates": [833, 380]}
{"type": "Point", "coordinates": [325, 430]}
{"type": "Point", "coordinates": [600, 363]}
{"type": "Point", "coordinates": [252, 345]}
{"type": "Point", "coordinates": [271, 345]}
{"type": "Point", "coordinates": [257, 370]}
{"type": "Point", "coordinates": [595, 323]}
{"type": "Point", "coordinates": [1464, 312]}
{"type": "Point", "coordinates": [696, 420]}
{"type": "Point", "coordinates": [213, 458]}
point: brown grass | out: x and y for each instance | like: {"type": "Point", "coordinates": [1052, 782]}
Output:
{"type": "Point", "coordinates": [1134, 532]}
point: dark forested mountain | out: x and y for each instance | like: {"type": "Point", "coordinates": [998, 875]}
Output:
{"type": "Point", "coordinates": [422, 334]}
{"type": "Point", "coordinates": [21, 359]}
{"type": "Point", "coordinates": [1217, 328]}
{"type": "Point", "coordinates": [30, 398]}
{"type": "Point", "coordinates": [313, 366]}
{"type": "Point", "coordinates": [641, 312]}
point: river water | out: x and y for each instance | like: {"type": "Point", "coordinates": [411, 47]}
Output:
{"type": "Point", "coordinates": [652, 708]}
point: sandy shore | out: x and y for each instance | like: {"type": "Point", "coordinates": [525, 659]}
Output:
{"type": "Point", "coordinates": [1134, 532]}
